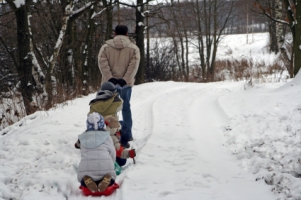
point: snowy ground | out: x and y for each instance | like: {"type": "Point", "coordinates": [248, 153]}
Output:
{"type": "Point", "coordinates": [193, 141]}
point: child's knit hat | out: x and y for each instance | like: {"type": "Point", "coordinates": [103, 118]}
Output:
{"type": "Point", "coordinates": [108, 86]}
{"type": "Point", "coordinates": [95, 122]}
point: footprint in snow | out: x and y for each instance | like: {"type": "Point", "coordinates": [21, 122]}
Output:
{"type": "Point", "coordinates": [178, 163]}
{"type": "Point", "coordinates": [207, 175]}
{"type": "Point", "coordinates": [226, 128]}
{"type": "Point", "coordinates": [165, 193]}
{"type": "Point", "coordinates": [78, 125]}
{"type": "Point", "coordinates": [181, 170]}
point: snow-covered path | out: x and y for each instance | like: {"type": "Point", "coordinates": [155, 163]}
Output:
{"type": "Point", "coordinates": [179, 138]}
{"type": "Point", "coordinates": [184, 155]}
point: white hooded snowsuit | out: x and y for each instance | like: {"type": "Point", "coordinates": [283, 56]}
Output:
{"type": "Point", "coordinates": [98, 155]}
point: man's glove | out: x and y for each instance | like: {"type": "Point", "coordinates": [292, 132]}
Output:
{"type": "Point", "coordinates": [121, 82]}
{"type": "Point", "coordinates": [113, 80]}
{"type": "Point", "coordinates": [132, 153]}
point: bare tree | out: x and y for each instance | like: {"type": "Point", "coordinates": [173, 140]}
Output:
{"type": "Point", "coordinates": [211, 18]}
{"type": "Point", "coordinates": [109, 14]}
{"type": "Point", "coordinates": [162, 62]}
{"type": "Point", "coordinates": [292, 11]}
{"type": "Point", "coordinates": [51, 46]}
{"type": "Point", "coordinates": [27, 67]}
{"type": "Point", "coordinates": [140, 14]}
{"type": "Point", "coordinates": [276, 29]}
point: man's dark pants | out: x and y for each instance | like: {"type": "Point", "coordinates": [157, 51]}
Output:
{"type": "Point", "coordinates": [125, 93]}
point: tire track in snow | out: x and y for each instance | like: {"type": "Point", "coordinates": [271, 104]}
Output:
{"type": "Point", "coordinates": [184, 152]}
{"type": "Point", "coordinates": [176, 149]}
{"type": "Point", "coordinates": [214, 159]}
{"type": "Point", "coordinates": [142, 105]}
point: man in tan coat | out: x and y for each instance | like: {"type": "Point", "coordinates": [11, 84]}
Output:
{"type": "Point", "coordinates": [118, 61]}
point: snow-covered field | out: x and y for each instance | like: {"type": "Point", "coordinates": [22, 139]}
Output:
{"type": "Point", "coordinates": [193, 141]}
{"type": "Point", "coordinates": [230, 47]}
{"type": "Point", "coordinates": [239, 58]}
{"type": "Point", "coordinates": [236, 46]}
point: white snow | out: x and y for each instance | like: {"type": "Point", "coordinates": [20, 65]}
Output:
{"type": "Point", "coordinates": [19, 3]}
{"type": "Point", "coordinates": [82, 8]}
{"type": "Point", "coordinates": [95, 14]}
{"type": "Point", "coordinates": [193, 141]}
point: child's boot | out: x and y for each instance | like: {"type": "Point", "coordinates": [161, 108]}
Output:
{"type": "Point", "coordinates": [91, 185]}
{"type": "Point", "coordinates": [102, 186]}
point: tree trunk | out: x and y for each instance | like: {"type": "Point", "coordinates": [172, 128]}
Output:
{"type": "Point", "coordinates": [200, 44]}
{"type": "Point", "coordinates": [279, 26]}
{"type": "Point", "coordinates": [140, 41]}
{"type": "Point", "coordinates": [88, 63]}
{"type": "Point", "coordinates": [25, 59]}
{"type": "Point", "coordinates": [214, 42]}
{"type": "Point", "coordinates": [297, 38]}
{"type": "Point", "coordinates": [147, 41]}
{"type": "Point", "coordinates": [109, 12]}
{"type": "Point", "coordinates": [74, 52]}
{"type": "Point", "coordinates": [294, 16]}
{"type": "Point", "coordinates": [178, 40]}
{"type": "Point", "coordinates": [273, 32]}
{"type": "Point", "coordinates": [208, 35]}
{"type": "Point", "coordinates": [273, 38]}
{"type": "Point", "coordinates": [185, 50]}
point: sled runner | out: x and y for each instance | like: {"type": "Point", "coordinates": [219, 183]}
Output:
{"type": "Point", "coordinates": [107, 192]}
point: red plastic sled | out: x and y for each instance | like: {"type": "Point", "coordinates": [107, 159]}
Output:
{"type": "Point", "coordinates": [107, 192]}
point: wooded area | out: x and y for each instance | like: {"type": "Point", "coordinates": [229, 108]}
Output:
{"type": "Point", "coordinates": [49, 49]}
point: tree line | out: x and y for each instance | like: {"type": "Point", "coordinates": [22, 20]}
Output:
{"type": "Point", "coordinates": [48, 48]}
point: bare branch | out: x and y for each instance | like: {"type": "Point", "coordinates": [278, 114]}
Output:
{"type": "Point", "coordinates": [9, 52]}
{"type": "Point", "coordinates": [11, 4]}
{"type": "Point", "coordinates": [134, 6]}
{"type": "Point", "coordinates": [266, 12]}
{"type": "Point", "coordinates": [80, 10]}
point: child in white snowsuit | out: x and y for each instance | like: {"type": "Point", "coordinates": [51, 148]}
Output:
{"type": "Point", "coordinates": [98, 154]}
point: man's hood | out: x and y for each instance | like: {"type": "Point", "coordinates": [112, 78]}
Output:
{"type": "Point", "coordinates": [119, 42]}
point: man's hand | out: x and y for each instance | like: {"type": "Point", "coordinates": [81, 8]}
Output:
{"type": "Point", "coordinates": [122, 82]}
{"type": "Point", "coordinates": [113, 80]}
